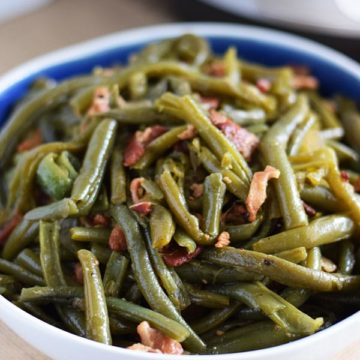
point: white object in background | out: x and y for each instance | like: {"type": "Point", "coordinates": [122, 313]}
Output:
{"type": "Point", "coordinates": [333, 17]}
{"type": "Point", "coordinates": [12, 8]}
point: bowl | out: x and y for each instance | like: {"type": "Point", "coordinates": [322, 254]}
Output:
{"type": "Point", "coordinates": [337, 74]}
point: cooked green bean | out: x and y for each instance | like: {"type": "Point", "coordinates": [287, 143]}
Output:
{"type": "Point", "coordinates": [115, 273]}
{"type": "Point", "coordinates": [29, 261]}
{"type": "Point", "coordinates": [162, 227]}
{"type": "Point", "coordinates": [19, 273]}
{"type": "Point", "coordinates": [117, 178]}
{"type": "Point", "coordinates": [184, 240]}
{"type": "Point", "coordinates": [206, 298]}
{"type": "Point", "coordinates": [321, 198]}
{"type": "Point", "coordinates": [346, 258]}
{"type": "Point", "coordinates": [243, 232]}
{"type": "Point", "coordinates": [97, 319]}
{"type": "Point", "coordinates": [93, 234]}
{"type": "Point", "coordinates": [295, 255]}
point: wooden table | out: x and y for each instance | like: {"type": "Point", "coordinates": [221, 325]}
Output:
{"type": "Point", "coordinates": [66, 22]}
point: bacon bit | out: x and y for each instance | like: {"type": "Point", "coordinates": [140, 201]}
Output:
{"type": "Point", "coordinates": [135, 149]}
{"type": "Point", "coordinates": [78, 274]}
{"type": "Point", "coordinates": [136, 189]}
{"type": "Point", "coordinates": [344, 176]}
{"type": "Point", "coordinates": [310, 211]}
{"type": "Point", "coordinates": [357, 184]}
{"type": "Point", "coordinates": [8, 227]}
{"type": "Point", "coordinates": [234, 214]}
{"type": "Point", "coordinates": [306, 82]}
{"type": "Point", "coordinates": [244, 141]}
{"type": "Point", "coordinates": [210, 102]}
{"type": "Point", "coordinates": [141, 347]}
{"type": "Point", "coordinates": [188, 134]}
{"type": "Point", "coordinates": [327, 265]}
{"type": "Point", "coordinates": [264, 85]}
{"type": "Point", "coordinates": [216, 68]}
{"type": "Point", "coordinates": [197, 190]}
{"type": "Point", "coordinates": [100, 219]}
{"type": "Point", "coordinates": [155, 341]}
{"type": "Point", "coordinates": [179, 256]}
{"type": "Point", "coordinates": [142, 208]}
{"type": "Point", "coordinates": [257, 192]}
{"type": "Point", "coordinates": [33, 140]}
{"type": "Point", "coordinates": [223, 240]}
{"type": "Point", "coordinates": [100, 102]}
{"type": "Point", "coordinates": [117, 240]}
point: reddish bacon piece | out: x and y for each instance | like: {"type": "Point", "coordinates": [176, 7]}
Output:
{"type": "Point", "coordinates": [344, 176]}
{"type": "Point", "coordinates": [197, 190]}
{"type": "Point", "coordinates": [141, 347]}
{"type": "Point", "coordinates": [264, 85]}
{"type": "Point", "coordinates": [154, 339]}
{"type": "Point", "coordinates": [136, 189]}
{"type": "Point", "coordinates": [257, 192]}
{"type": "Point", "coordinates": [188, 134]}
{"type": "Point", "coordinates": [100, 219]}
{"type": "Point", "coordinates": [33, 140]}
{"type": "Point", "coordinates": [179, 256]}
{"type": "Point", "coordinates": [8, 227]}
{"type": "Point", "coordinates": [310, 211]}
{"type": "Point", "coordinates": [136, 146]}
{"type": "Point", "coordinates": [223, 240]}
{"type": "Point", "coordinates": [210, 102]}
{"type": "Point", "coordinates": [100, 102]}
{"type": "Point", "coordinates": [117, 240]}
{"type": "Point", "coordinates": [306, 82]}
{"type": "Point", "coordinates": [142, 208]}
{"type": "Point", "coordinates": [78, 273]}
{"type": "Point", "coordinates": [244, 141]}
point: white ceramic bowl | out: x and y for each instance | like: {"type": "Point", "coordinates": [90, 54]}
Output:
{"type": "Point", "coordinates": [336, 73]}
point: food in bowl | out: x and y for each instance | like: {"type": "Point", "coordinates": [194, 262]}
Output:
{"type": "Point", "coordinates": [187, 202]}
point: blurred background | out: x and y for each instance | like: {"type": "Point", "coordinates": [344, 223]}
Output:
{"type": "Point", "coordinates": [32, 27]}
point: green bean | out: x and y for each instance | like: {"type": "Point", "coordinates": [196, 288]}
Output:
{"type": "Point", "coordinates": [321, 198]}
{"type": "Point", "coordinates": [22, 236]}
{"type": "Point", "coordinates": [273, 152]}
{"type": "Point", "coordinates": [213, 199]}
{"type": "Point", "coordinates": [214, 318]}
{"type": "Point", "coordinates": [159, 146]}
{"type": "Point", "coordinates": [19, 273]}
{"type": "Point", "coordinates": [29, 261]}
{"type": "Point", "coordinates": [296, 255]}
{"type": "Point", "coordinates": [280, 270]}
{"type": "Point", "coordinates": [47, 294]}
{"type": "Point", "coordinates": [346, 258]}
{"type": "Point", "coordinates": [258, 129]}
{"type": "Point", "coordinates": [137, 85]}
{"type": "Point", "coordinates": [101, 252]}
{"type": "Point", "coordinates": [87, 184]}
{"type": "Point", "coordinates": [177, 203]}
{"type": "Point", "coordinates": [252, 337]}
{"type": "Point", "coordinates": [200, 272]}
{"type": "Point", "coordinates": [115, 272]}
{"type": "Point", "coordinates": [243, 232]}
{"type": "Point", "coordinates": [54, 211]}
{"type": "Point", "coordinates": [145, 277]}
{"type": "Point", "coordinates": [162, 227]}
{"type": "Point", "coordinates": [133, 294]}
{"type": "Point", "coordinates": [49, 253]}
{"type": "Point", "coordinates": [246, 117]}
{"type": "Point", "coordinates": [94, 234]}
{"type": "Point", "coordinates": [170, 281]}
{"type": "Point", "coordinates": [117, 177]}
{"type": "Point", "coordinates": [324, 230]}
{"type": "Point", "coordinates": [184, 240]}
{"type": "Point", "coordinates": [97, 319]}
{"type": "Point", "coordinates": [179, 86]}
{"type": "Point", "coordinates": [343, 152]}
{"type": "Point", "coordinates": [285, 315]}
{"type": "Point", "coordinates": [206, 298]}
{"type": "Point", "coordinates": [187, 109]}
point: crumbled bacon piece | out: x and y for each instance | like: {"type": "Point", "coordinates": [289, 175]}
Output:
{"type": "Point", "coordinates": [8, 227]}
{"type": "Point", "coordinates": [210, 102]}
{"type": "Point", "coordinates": [100, 219]}
{"type": "Point", "coordinates": [153, 339]}
{"type": "Point", "coordinates": [237, 213]}
{"type": "Point", "coordinates": [197, 190]}
{"type": "Point", "coordinates": [307, 82]}
{"type": "Point", "coordinates": [244, 141]}
{"type": "Point", "coordinates": [136, 146]}
{"type": "Point", "coordinates": [264, 85]}
{"type": "Point", "coordinates": [310, 211]}
{"type": "Point", "coordinates": [142, 208]}
{"type": "Point", "coordinates": [179, 256]}
{"type": "Point", "coordinates": [136, 189]}
{"type": "Point", "coordinates": [344, 176]}
{"type": "Point", "coordinates": [141, 347]}
{"type": "Point", "coordinates": [188, 134]}
{"type": "Point", "coordinates": [33, 140]}
{"type": "Point", "coordinates": [257, 192]}
{"type": "Point", "coordinates": [223, 240]}
{"type": "Point", "coordinates": [100, 102]}
{"type": "Point", "coordinates": [216, 68]}
{"type": "Point", "coordinates": [78, 273]}
{"type": "Point", "coordinates": [117, 240]}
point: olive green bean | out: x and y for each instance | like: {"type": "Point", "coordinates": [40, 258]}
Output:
{"type": "Point", "coordinates": [29, 261]}
{"type": "Point", "coordinates": [115, 272]}
{"type": "Point", "coordinates": [94, 234]}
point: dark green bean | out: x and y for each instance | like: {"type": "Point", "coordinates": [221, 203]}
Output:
{"type": "Point", "coordinates": [115, 272]}
{"type": "Point", "coordinates": [117, 177]}
{"type": "Point", "coordinates": [29, 261]}
{"type": "Point", "coordinates": [93, 234]}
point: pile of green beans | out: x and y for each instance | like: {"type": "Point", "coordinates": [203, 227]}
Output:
{"type": "Point", "coordinates": [124, 197]}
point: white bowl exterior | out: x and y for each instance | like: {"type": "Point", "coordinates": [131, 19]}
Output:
{"type": "Point", "coordinates": [62, 345]}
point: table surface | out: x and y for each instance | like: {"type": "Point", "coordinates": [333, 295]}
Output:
{"type": "Point", "coordinates": [65, 22]}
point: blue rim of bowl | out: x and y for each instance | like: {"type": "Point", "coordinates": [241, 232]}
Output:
{"type": "Point", "coordinates": [335, 71]}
